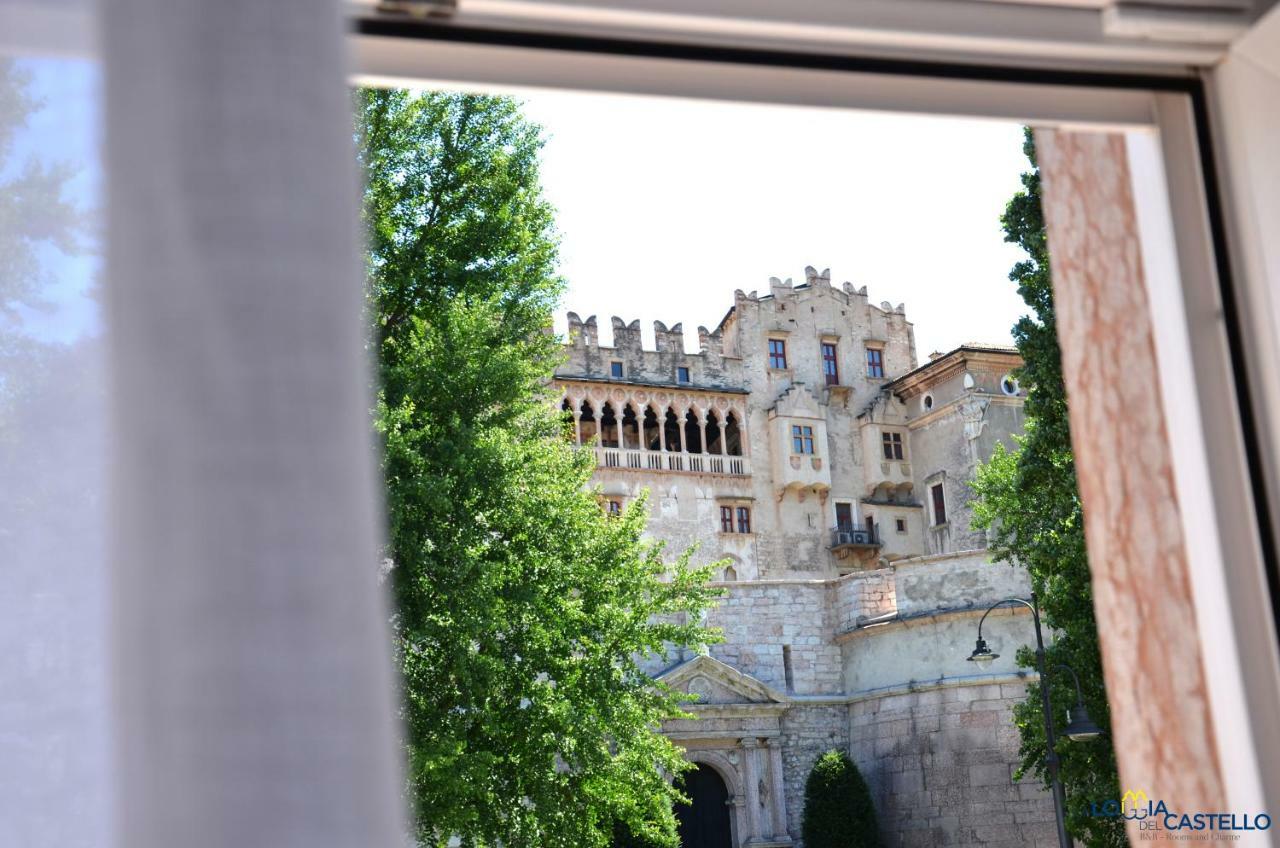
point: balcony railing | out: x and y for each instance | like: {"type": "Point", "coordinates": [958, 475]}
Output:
{"type": "Point", "coordinates": [697, 463]}
{"type": "Point", "coordinates": [854, 536]}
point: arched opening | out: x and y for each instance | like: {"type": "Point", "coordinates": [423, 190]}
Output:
{"type": "Point", "coordinates": [608, 427]}
{"type": "Point", "coordinates": [704, 821]}
{"type": "Point", "coordinates": [671, 426]}
{"type": "Point", "coordinates": [586, 423]}
{"type": "Point", "coordinates": [692, 433]}
{"type": "Point", "coordinates": [570, 426]}
{"type": "Point", "coordinates": [652, 435]}
{"type": "Point", "coordinates": [630, 428]}
{"type": "Point", "coordinates": [732, 436]}
{"type": "Point", "coordinates": [714, 443]}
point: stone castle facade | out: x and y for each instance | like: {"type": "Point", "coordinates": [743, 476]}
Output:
{"type": "Point", "coordinates": [806, 446]}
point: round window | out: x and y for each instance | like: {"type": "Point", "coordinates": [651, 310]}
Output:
{"type": "Point", "coordinates": [1009, 386]}
{"type": "Point", "coordinates": [928, 401]}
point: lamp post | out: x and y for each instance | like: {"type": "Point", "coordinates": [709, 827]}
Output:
{"type": "Point", "coordinates": [1079, 728]}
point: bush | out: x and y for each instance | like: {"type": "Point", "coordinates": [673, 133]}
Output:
{"type": "Point", "coordinates": [838, 812]}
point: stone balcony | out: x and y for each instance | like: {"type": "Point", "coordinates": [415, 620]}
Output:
{"type": "Point", "coordinates": [679, 461]}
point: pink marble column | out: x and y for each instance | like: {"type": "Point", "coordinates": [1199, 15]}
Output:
{"type": "Point", "coordinates": [1141, 589]}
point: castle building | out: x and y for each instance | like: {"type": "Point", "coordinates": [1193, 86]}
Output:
{"type": "Point", "coordinates": [804, 445]}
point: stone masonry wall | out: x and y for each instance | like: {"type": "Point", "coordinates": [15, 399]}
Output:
{"type": "Point", "coordinates": [760, 618]}
{"type": "Point", "coordinates": [808, 732]}
{"type": "Point", "coordinates": [940, 764]}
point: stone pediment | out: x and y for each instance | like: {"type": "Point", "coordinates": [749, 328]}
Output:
{"type": "Point", "coordinates": [716, 682]}
{"type": "Point", "coordinates": [796, 402]}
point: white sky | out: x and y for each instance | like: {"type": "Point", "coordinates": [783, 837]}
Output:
{"type": "Point", "coordinates": [666, 206]}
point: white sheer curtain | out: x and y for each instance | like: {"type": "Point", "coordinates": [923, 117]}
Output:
{"type": "Point", "coordinates": [195, 648]}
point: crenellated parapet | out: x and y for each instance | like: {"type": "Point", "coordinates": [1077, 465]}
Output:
{"type": "Point", "coordinates": [668, 364]}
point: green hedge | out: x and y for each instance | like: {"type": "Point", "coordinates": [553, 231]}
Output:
{"type": "Point", "coordinates": [838, 811]}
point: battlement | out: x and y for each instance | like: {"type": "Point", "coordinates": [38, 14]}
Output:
{"type": "Point", "coordinates": [843, 311]}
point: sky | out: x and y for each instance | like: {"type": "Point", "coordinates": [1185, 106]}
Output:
{"type": "Point", "coordinates": [666, 206]}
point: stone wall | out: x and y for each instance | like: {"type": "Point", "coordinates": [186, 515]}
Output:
{"type": "Point", "coordinates": [808, 732]}
{"type": "Point", "coordinates": [940, 764]}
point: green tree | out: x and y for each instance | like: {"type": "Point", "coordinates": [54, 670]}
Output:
{"type": "Point", "coordinates": [521, 610]}
{"type": "Point", "coordinates": [1029, 503]}
{"type": "Point", "coordinates": [838, 810]}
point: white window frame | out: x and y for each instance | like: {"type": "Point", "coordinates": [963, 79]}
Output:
{"type": "Point", "coordinates": [1161, 115]}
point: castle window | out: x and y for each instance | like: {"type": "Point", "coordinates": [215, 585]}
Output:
{"type": "Point", "coordinates": [830, 368]}
{"type": "Point", "coordinates": [682, 374]}
{"type": "Point", "coordinates": [615, 369]}
{"type": "Point", "coordinates": [726, 519]}
{"type": "Point", "coordinates": [901, 524]}
{"type": "Point", "coordinates": [939, 505]}
{"type": "Point", "coordinates": [801, 439]}
{"type": "Point", "coordinates": [875, 363]}
{"type": "Point", "coordinates": [777, 353]}
{"type": "Point", "coordinates": [1009, 386]}
{"type": "Point", "coordinates": [891, 443]}
{"type": "Point", "coordinates": [744, 519]}
{"type": "Point", "coordinates": [614, 507]}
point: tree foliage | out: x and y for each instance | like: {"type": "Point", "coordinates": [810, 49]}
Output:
{"type": "Point", "coordinates": [838, 810]}
{"type": "Point", "coordinates": [521, 610]}
{"type": "Point", "coordinates": [1029, 503]}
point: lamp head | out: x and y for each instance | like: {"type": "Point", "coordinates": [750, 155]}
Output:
{"type": "Point", "coordinates": [982, 655]}
{"type": "Point", "coordinates": [1080, 728]}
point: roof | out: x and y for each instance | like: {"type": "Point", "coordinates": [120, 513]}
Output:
{"type": "Point", "coordinates": [948, 360]}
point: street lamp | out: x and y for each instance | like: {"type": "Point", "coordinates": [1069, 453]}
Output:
{"type": "Point", "coordinates": [1080, 728]}
{"type": "Point", "coordinates": [983, 655]}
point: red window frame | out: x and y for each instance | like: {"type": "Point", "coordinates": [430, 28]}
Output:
{"type": "Point", "coordinates": [778, 353]}
{"type": "Point", "coordinates": [726, 519]}
{"type": "Point", "coordinates": [875, 362]}
{"type": "Point", "coordinates": [830, 367]}
{"type": "Point", "coordinates": [939, 504]}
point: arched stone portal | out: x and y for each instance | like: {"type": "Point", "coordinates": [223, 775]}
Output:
{"type": "Point", "coordinates": [704, 822]}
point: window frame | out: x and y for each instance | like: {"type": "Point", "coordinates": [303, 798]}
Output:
{"type": "Point", "coordinates": [1109, 87]}
{"type": "Point", "coordinates": [802, 441]}
{"type": "Point", "coordinates": [938, 503]}
{"type": "Point", "coordinates": [742, 513]}
{"type": "Point", "coordinates": [776, 356]}
{"type": "Point", "coordinates": [875, 370]}
{"type": "Point", "coordinates": [682, 374]}
{"type": "Point", "coordinates": [830, 364]}
{"type": "Point", "coordinates": [617, 371]}
{"type": "Point", "coordinates": [892, 446]}
{"type": "Point", "coordinates": [726, 518]}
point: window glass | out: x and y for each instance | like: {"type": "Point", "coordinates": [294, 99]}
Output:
{"type": "Point", "coordinates": [939, 505]}
{"type": "Point", "coordinates": [875, 362]}
{"type": "Point", "coordinates": [615, 369]}
{"type": "Point", "coordinates": [892, 445]}
{"type": "Point", "coordinates": [744, 519]}
{"type": "Point", "coordinates": [682, 375]}
{"type": "Point", "coordinates": [801, 439]}
{"type": "Point", "coordinates": [777, 353]}
{"type": "Point", "coordinates": [830, 368]}
{"type": "Point", "coordinates": [726, 519]}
